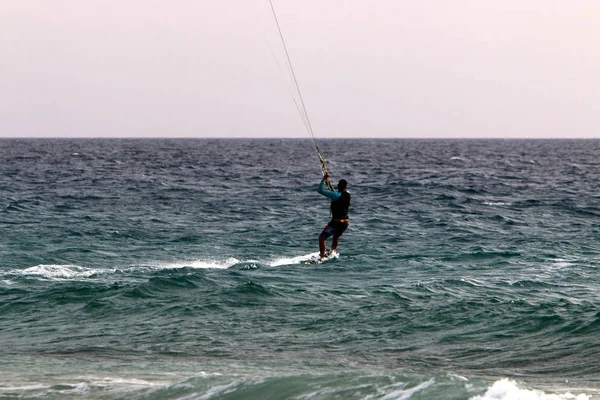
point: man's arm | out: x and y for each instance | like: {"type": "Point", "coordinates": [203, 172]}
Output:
{"type": "Point", "coordinates": [333, 195]}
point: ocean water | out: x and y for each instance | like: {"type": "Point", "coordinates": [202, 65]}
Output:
{"type": "Point", "coordinates": [169, 269]}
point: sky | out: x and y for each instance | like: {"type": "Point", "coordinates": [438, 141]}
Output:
{"type": "Point", "coordinates": [365, 68]}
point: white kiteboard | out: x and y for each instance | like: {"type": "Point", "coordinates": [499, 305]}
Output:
{"type": "Point", "coordinates": [329, 255]}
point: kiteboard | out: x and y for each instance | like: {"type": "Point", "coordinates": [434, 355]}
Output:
{"type": "Point", "coordinates": [329, 255]}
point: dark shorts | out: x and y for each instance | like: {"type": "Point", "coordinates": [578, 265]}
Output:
{"type": "Point", "coordinates": [333, 228]}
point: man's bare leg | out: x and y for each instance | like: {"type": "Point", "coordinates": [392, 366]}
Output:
{"type": "Point", "coordinates": [321, 247]}
{"type": "Point", "coordinates": [334, 243]}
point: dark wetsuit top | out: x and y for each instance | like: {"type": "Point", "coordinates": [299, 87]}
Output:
{"type": "Point", "coordinates": [340, 203]}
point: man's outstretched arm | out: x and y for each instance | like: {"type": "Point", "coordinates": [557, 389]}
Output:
{"type": "Point", "coordinates": [333, 195]}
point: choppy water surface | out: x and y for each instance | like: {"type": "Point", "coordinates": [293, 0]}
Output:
{"type": "Point", "coordinates": [157, 269]}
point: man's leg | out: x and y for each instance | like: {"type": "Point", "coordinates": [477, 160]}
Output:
{"type": "Point", "coordinates": [334, 243]}
{"type": "Point", "coordinates": [339, 230]}
{"type": "Point", "coordinates": [321, 246]}
{"type": "Point", "coordinates": [322, 238]}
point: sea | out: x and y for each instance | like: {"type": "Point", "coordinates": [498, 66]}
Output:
{"type": "Point", "coordinates": [172, 269]}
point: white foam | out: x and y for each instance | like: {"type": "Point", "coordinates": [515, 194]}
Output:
{"type": "Point", "coordinates": [60, 272]}
{"type": "Point", "coordinates": [402, 394]}
{"type": "Point", "coordinates": [462, 378]}
{"type": "Point", "coordinates": [23, 388]}
{"type": "Point", "coordinates": [129, 382]}
{"type": "Point", "coordinates": [106, 253]}
{"type": "Point", "coordinates": [562, 263]}
{"type": "Point", "coordinates": [199, 264]}
{"type": "Point", "coordinates": [496, 203]}
{"type": "Point", "coordinates": [215, 391]}
{"type": "Point", "coordinates": [76, 272]}
{"type": "Point", "coordinates": [506, 389]}
{"type": "Point", "coordinates": [77, 389]}
{"type": "Point", "coordinates": [81, 388]}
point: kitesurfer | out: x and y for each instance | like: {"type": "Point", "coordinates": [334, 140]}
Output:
{"type": "Point", "coordinates": [340, 203]}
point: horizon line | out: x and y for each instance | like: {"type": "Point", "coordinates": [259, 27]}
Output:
{"type": "Point", "coordinates": [285, 138]}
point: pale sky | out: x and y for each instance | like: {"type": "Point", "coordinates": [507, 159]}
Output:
{"type": "Point", "coordinates": [368, 68]}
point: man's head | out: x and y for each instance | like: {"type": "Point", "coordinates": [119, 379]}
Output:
{"type": "Point", "coordinates": [342, 185]}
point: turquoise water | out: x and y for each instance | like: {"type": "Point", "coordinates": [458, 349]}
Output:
{"type": "Point", "coordinates": [168, 269]}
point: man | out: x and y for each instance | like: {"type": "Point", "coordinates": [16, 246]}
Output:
{"type": "Point", "coordinates": [340, 203]}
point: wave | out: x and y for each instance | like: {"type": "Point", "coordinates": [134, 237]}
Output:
{"type": "Point", "coordinates": [506, 389]}
{"type": "Point", "coordinates": [300, 386]}
{"type": "Point", "coordinates": [88, 386]}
